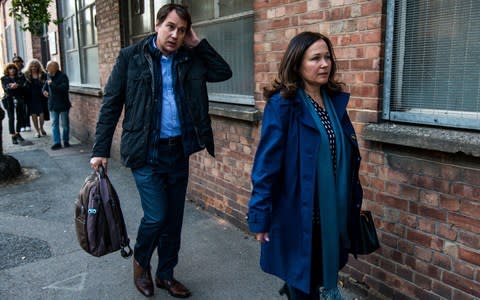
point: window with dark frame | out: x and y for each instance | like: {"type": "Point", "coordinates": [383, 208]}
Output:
{"type": "Point", "coordinates": [79, 40]}
{"type": "Point", "coordinates": [226, 24]}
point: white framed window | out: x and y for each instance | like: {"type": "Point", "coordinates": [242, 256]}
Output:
{"type": "Point", "coordinates": [8, 43]}
{"type": "Point", "coordinates": [20, 39]}
{"type": "Point", "coordinates": [432, 56]}
{"type": "Point", "coordinates": [79, 41]}
{"type": "Point", "coordinates": [228, 26]}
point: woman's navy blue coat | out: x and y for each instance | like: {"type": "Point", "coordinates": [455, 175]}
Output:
{"type": "Point", "coordinates": [283, 178]}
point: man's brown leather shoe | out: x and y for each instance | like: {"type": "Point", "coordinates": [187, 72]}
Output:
{"type": "Point", "coordinates": [142, 279]}
{"type": "Point", "coordinates": [175, 288]}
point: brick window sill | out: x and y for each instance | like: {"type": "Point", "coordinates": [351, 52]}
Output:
{"type": "Point", "coordinates": [97, 92]}
{"type": "Point", "coordinates": [235, 111]}
{"type": "Point", "coordinates": [231, 111]}
{"type": "Point", "coordinates": [437, 139]}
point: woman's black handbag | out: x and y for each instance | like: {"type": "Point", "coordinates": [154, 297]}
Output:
{"type": "Point", "coordinates": [368, 241]}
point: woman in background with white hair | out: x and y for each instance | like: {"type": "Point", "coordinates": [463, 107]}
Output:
{"type": "Point", "coordinates": [56, 89]}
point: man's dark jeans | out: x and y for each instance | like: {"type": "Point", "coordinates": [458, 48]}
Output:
{"type": "Point", "coordinates": [162, 187]}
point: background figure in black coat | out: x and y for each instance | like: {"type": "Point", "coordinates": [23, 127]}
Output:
{"type": "Point", "coordinates": [56, 89]}
{"type": "Point", "coordinates": [12, 101]}
{"type": "Point", "coordinates": [24, 107]}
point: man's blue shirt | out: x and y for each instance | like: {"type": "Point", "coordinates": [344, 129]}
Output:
{"type": "Point", "coordinates": [170, 122]}
{"type": "Point", "coordinates": [169, 119]}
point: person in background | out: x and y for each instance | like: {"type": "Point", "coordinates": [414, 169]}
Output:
{"type": "Point", "coordinates": [56, 88]}
{"type": "Point", "coordinates": [160, 84]}
{"type": "Point", "coordinates": [35, 77]}
{"type": "Point", "coordinates": [24, 108]}
{"type": "Point", "coordinates": [306, 195]}
{"type": "Point", "coordinates": [12, 101]}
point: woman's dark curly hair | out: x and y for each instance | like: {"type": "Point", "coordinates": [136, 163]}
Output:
{"type": "Point", "coordinates": [289, 79]}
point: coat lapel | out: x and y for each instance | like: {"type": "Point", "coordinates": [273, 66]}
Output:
{"type": "Point", "coordinates": [305, 117]}
{"type": "Point", "coordinates": [340, 102]}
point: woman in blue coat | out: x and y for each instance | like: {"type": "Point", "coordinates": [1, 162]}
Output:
{"type": "Point", "coordinates": [306, 195]}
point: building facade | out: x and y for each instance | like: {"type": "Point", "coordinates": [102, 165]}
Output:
{"type": "Point", "coordinates": [15, 41]}
{"type": "Point", "coordinates": [412, 71]}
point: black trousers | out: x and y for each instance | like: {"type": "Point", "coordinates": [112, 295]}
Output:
{"type": "Point", "coordinates": [316, 276]}
{"type": "Point", "coordinates": [15, 112]}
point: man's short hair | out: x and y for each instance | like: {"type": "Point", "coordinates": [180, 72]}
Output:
{"type": "Point", "coordinates": [181, 11]}
{"type": "Point", "coordinates": [16, 59]}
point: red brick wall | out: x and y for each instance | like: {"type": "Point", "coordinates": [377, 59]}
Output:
{"type": "Point", "coordinates": [426, 204]}
{"type": "Point", "coordinates": [222, 184]}
{"type": "Point", "coordinates": [109, 36]}
{"type": "Point", "coordinates": [85, 107]}
{"type": "Point", "coordinates": [276, 22]}
{"type": "Point", "coordinates": [427, 209]}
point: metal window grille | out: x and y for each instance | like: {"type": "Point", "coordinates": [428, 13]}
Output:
{"type": "Point", "coordinates": [432, 60]}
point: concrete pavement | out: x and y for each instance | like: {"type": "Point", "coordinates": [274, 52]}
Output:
{"type": "Point", "coordinates": [41, 259]}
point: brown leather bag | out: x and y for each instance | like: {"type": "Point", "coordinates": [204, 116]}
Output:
{"type": "Point", "coordinates": [99, 221]}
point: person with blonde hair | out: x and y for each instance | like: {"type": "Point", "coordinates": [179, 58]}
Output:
{"type": "Point", "coordinates": [35, 77]}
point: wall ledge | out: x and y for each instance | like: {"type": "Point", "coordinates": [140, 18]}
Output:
{"type": "Point", "coordinates": [97, 92]}
{"type": "Point", "coordinates": [235, 111]}
{"type": "Point", "coordinates": [437, 139]}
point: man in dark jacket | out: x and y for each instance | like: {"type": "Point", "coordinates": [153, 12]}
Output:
{"type": "Point", "coordinates": [160, 83]}
{"type": "Point", "coordinates": [56, 89]}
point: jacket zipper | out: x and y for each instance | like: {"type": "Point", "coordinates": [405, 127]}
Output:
{"type": "Point", "coordinates": [152, 73]}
